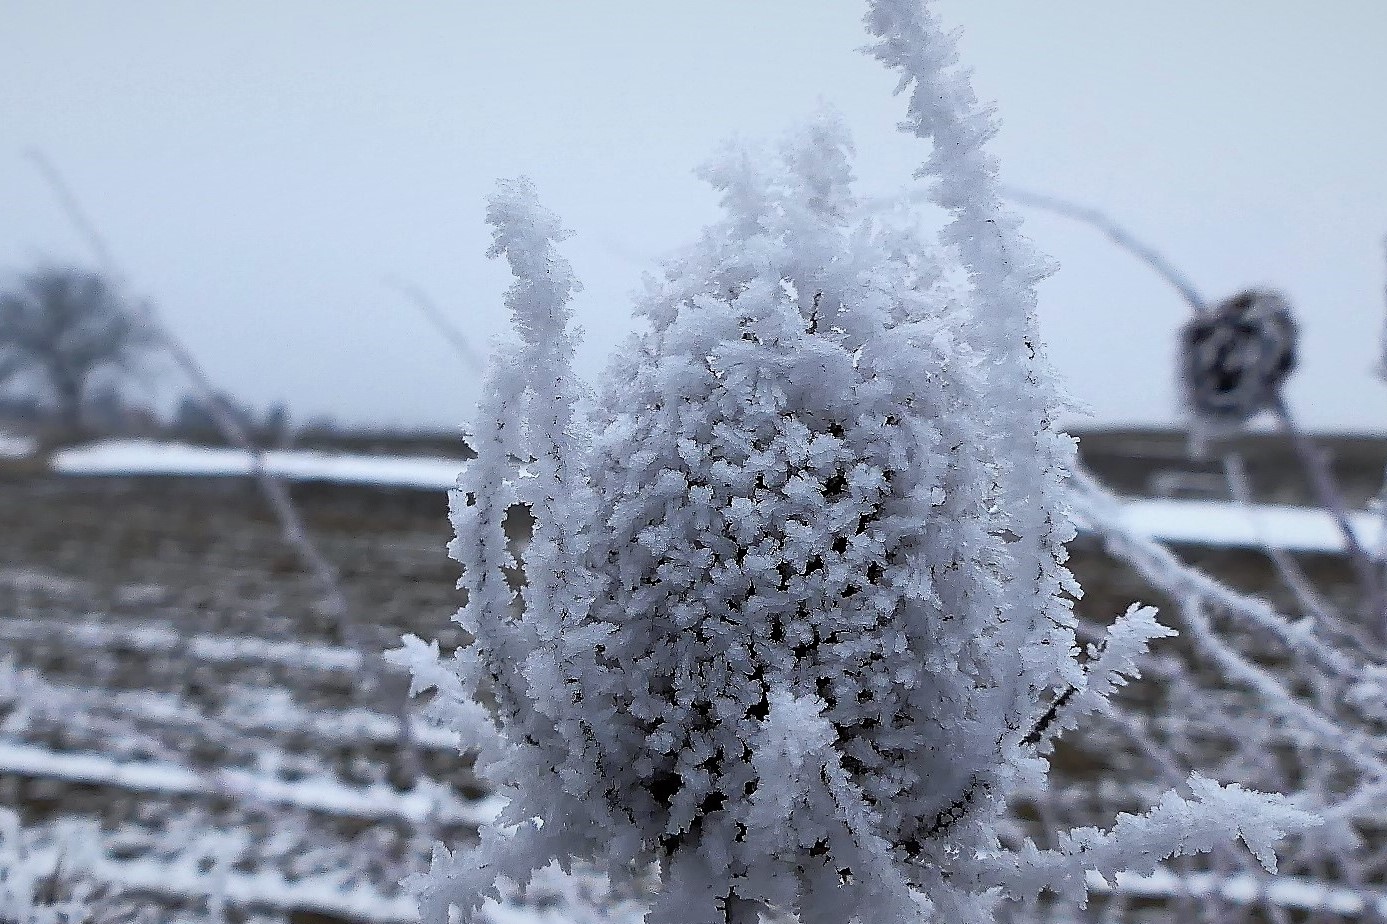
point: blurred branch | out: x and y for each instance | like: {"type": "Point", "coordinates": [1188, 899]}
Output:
{"type": "Point", "coordinates": [420, 299]}
{"type": "Point", "coordinates": [1118, 235]}
{"type": "Point", "coordinates": [73, 210]}
{"type": "Point", "coordinates": [325, 575]}
{"type": "Point", "coordinates": [1382, 358]}
{"type": "Point", "coordinates": [1235, 474]}
{"type": "Point", "coordinates": [1327, 491]}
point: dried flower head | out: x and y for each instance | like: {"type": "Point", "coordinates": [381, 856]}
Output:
{"type": "Point", "coordinates": [1234, 358]}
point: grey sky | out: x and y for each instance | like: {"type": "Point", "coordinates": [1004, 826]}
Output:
{"type": "Point", "coordinates": [260, 167]}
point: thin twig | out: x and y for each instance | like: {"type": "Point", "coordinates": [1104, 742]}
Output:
{"type": "Point", "coordinates": [1235, 474]}
{"type": "Point", "coordinates": [420, 299]}
{"type": "Point", "coordinates": [1326, 489]}
{"type": "Point", "coordinates": [1119, 236]}
{"type": "Point", "coordinates": [325, 575]}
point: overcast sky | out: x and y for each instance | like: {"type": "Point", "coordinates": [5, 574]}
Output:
{"type": "Point", "coordinates": [260, 167]}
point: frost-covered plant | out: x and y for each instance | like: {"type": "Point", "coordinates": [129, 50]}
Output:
{"type": "Point", "coordinates": [1235, 357]}
{"type": "Point", "coordinates": [794, 619]}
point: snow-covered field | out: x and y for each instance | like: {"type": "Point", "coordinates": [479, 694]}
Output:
{"type": "Point", "coordinates": [182, 728]}
{"type": "Point", "coordinates": [140, 457]}
{"type": "Point", "coordinates": [182, 725]}
{"type": "Point", "coordinates": [1182, 522]}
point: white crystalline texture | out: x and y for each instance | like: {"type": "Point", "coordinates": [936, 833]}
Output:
{"type": "Point", "coordinates": [781, 511]}
{"type": "Point", "coordinates": [760, 629]}
{"type": "Point", "coordinates": [794, 618]}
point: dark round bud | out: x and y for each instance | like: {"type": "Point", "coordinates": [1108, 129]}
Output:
{"type": "Point", "coordinates": [1234, 358]}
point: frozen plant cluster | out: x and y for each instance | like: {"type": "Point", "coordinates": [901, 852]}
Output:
{"type": "Point", "coordinates": [794, 619]}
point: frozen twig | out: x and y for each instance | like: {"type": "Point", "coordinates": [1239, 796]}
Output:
{"type": "Point", "coordinates": [1118, 235]}
{"type": "Point", "coordinates": [1321, 665]}
{"type": "Point", "coordinates": [416, 296]}
{"type": "Point", "coordinates": [1235, 474]}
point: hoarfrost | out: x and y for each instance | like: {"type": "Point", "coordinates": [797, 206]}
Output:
{"type": "Point", "coordinates": [794, 620]}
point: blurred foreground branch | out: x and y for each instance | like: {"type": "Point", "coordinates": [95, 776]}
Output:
{"type": "Point", "coordinates": [333, 598]}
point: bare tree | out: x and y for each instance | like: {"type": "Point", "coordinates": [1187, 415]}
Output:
{"type": "Point", "coordinates": [67, 327]}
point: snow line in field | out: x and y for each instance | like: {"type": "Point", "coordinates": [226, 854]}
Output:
{"type": "Point", "coordinates": [185, 881]}
{"type": "Point", "coordinates": [163, 637]}
{"type": "Point", "coordinates": [142, 457]}
{"type": "Point", "coordinates": [325, 894]}
{"type": "Point", "coordinates": [1219, 523]}
{"type": "Point", "coordinates": [331, 896]}
{"type": "Point", "coordinates": [1291, 892]}
{"type": "Point", "coordinates": [1191, 522]}
{"type": "Point", "coordinates": [428, 802]}
{"type": "Point", "coordinates": [268, 711]}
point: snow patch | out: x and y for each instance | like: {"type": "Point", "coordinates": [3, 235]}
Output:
{"type": "Point", "coordinates": [16, 446]}
{"type": "Point", "coordinates": [1215, 523]}
{"type": "Point", "coordinates": [1182, 522]}
{"type": "Point", "coordinates": [142, 457]}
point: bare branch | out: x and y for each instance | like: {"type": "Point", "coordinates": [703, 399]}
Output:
{"type": "Point", "coordinates": [420, 299]}
{"type": "Point", "coordinates": [1327, 491]}
{"type": "Point", "coordinates": [73, 210]}
{"type": "Point", "coordinates": [1118, 235]}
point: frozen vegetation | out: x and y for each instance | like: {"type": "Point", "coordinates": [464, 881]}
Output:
{"type": "Point", "coordinates": [792, 637]}
{"type": "Point", "coordinates": [795, 621]}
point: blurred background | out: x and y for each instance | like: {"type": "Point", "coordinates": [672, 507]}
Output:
{"type": "Point", "coordinates": [262, 169]}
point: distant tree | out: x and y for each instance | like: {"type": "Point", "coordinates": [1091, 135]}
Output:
{"type": "Point", "coordinates": [64, 328]}
{"type": "Point", "coordinates": [277, 428]}
{"type": "Point", "coordinates": [107, 408]}
{"type": "Point", "coordinates": [193, 419]}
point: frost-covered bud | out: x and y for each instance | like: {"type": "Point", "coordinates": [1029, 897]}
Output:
{"type": "Point", "coordinates": [790, 609]}
{"type": "Point", "coordinates": [795, 617]}
{"type": "Point", "coordinates": [1234, 358]}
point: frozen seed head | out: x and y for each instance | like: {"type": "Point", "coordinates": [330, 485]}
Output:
{"type": "Point", "coordinates": [1234, 358]}
{"type": "Point", "coordinates": [783, 627]}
